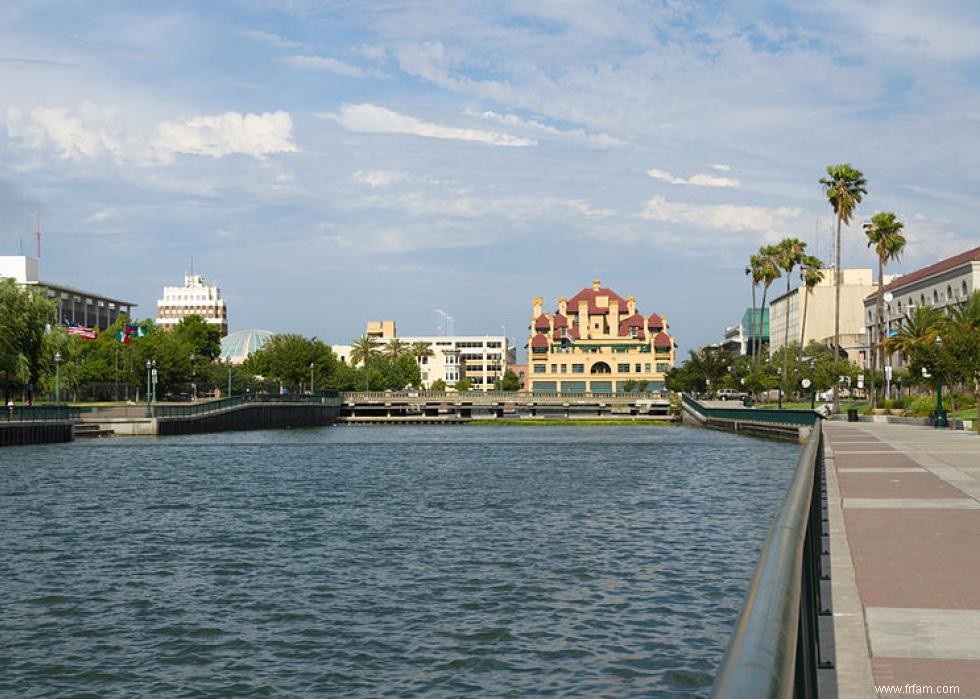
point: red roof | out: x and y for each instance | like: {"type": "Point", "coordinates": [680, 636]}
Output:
{"type": "Point", "coordinates": [539, 341]}
{"type": "Point", "coordinates": [634, 321]}
{"type": "Point", "coordinates": [541, 322]}
{"type": "Point", "coordinates": [590, 295]}
{"type": "Point", "coordinates": [936, 268]}
{"type": "Point", "coordinates": [560, 321]}
{"type": "Point", "coordinates": [662, 340]}
{"type": "Point", "coordinates": [655, 322]}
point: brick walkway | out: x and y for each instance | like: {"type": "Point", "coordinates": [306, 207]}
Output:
{"type": "Point", "coordinates": [906, 562]}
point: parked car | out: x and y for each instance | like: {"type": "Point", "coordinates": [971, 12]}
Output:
{"type": "Point", "coordinates": [731, 394]}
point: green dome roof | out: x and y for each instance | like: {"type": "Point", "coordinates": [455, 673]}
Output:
{"type": "Point", "coordinates": [237, 346]}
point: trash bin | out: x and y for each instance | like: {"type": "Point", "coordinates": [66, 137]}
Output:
{"type": "Point", "coordinates": [852, 414]}
{"type": "Point", "coordinates": [747, 401]}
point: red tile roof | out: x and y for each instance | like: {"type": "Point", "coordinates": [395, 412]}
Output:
{"type": "Point", "coordinates": [935, 268]}
{"type": "Point", "coordinates": [560, 321]}
{"type": "Point", "coordinates": [590, 295]}
{"type": "Point", "coordinates": [662, 340]}
{"type": "Point", "coordinates": [655, 322]}
{"type": "Point", "coordinates": [541, 322]}
{"type": "Point", "coordinates": [539, 341]}
{"type": "Point", "coordinates": [634, 321]}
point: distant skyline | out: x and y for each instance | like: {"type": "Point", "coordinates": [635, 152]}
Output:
{"type": "Point", "coordinates": [331, 163]}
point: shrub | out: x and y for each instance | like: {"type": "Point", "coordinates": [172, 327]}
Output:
{"type": "Point", "coordinates": [887, 404]}
{"type": "Point", "coordinates": [920, 406]}
{"type": "Point", "coordinates": [898, 403]}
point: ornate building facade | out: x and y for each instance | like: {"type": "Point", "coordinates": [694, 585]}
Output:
{"type": "Point", "coordinates": [597, 342]}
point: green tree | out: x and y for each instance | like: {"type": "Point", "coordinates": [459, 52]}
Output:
{"type": "Point", "coordinates": [396, 348]}
{"type": "Point", "coordinates": [768, 271]}
{"type": "Point", "coordinates": [961, 339]}
{"type": "Point", "coordinates": [287, 359]}
{"type": "Point", "coordinates": [363, 349]}
{"type": "Point", "coordinates": [844, 187]}
{"type": "Point", "coordinates": [790, 253]}
{"type": "Point", "coordinates": [202, 338]}
{"type": "Point", "coordinates": [884, 234]}
{"type": "Point", "coordinates": [463, 385]}
{"type": "Point", "coordinates": [438, 385]}
{"type": "Point", "coordinates": [811, 274]}
{"type": "Point", "coordinates": [510, 381]}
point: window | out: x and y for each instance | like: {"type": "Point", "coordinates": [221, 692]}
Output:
{"type": "Point", "coordinates": [646, 367]}
{"type": "Point", "coordinates": [564, 368]}
{"type": "Point", "coordinates": [935, 296]}
{"type": "Point", "coordinates": [540, 368]}
{"type": "Point", "coordinates": [965, 289]}
{"type": "Point", "coordinates": [578, 368]}
{"type": "Point", "coordinates": [949, 293]}
{"type": "Point", "coordinates": [662, 367]}
{"type": "Point", "coordinates": [623, 368]}
{"type": "Point", "coordinates": [637, 369]}
{"type": "Point", "coordinates": [633, 331]}
{"type": "Point", "coordinates": [554, 368]}
{"type": "Point", "coordinates": [922, 299]}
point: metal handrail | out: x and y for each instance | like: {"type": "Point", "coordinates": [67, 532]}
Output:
{"type": "Point", "coordinates": [775, 649]}
{"type": "Point", "coordinates": [39, 413]}
{"type": "Point", "coordinates": [499, 395]}
{"type": "Point", "coordinates": [214, 406]}
{"type": "Point", "coordinates": [763, 415]}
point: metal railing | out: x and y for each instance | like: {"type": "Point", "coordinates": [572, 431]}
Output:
{"type": "Point", "coordinates": [762, 415]}
{"type": "Point", "coordinates": [775, 649]}
{"type": "Point", "coordinates": [507, 396]}
{"type": "Point", "coordinates": [40, 413]}
{"type": "Point", "coordinates": [331, 398]}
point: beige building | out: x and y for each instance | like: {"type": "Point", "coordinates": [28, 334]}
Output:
{"type": "Point", "coordinates": [597, 342]}
{"type": "Point", "coordinates": [482, 359]}
{"type": "Point", "coordinates": [195, 297]}
{"type": "Point", "coordinates": [788, 308]}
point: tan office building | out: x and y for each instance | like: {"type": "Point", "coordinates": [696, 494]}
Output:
{"type": "Point", "coordinates": [857, 284]}
{"type": "Point", "coordinates": [195, 297]}
{"type": "Point", "coordinates": [597, 342]}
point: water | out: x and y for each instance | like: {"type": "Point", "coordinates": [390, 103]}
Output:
{"type": "Point", "coordinates": [381, 561]}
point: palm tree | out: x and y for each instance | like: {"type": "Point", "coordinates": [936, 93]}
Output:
{"type": "Point", "coordinates": [420, 350]}
{"type": "Point", "coordinates": [396, 348]}
{"type": "Point", "coordinates": [811, 274]}
{"type": "Point", "coordinates": [753, 271]}
{"type": "Point", "coordinates": [845, 187]}
{"type": "Point", "coordinates": [963, 329]}
{"type": "Point", "coordinates": [790, 253]}
{"type": "Point", "coordinates": [363, 349]}
{"type": "Point", "coordinates": [918, 332]}
{"type": "Point", "coordinates": [768, 273]}
{"type": "Point", "coordinates": [885, 236]}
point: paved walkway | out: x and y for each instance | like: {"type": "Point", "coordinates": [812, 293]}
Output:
{"type": "Point", "coordinates": [905, 545]}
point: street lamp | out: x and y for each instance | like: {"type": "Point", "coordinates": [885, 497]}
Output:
{"type": "Point", "coordinates": [193, 380]}
{"type": "Point", "coordinates": [229, 378]}
{"type": "Point", "coordinates": [149, 365]}
{"type": "Point", "coordinates": [151, 375]}
{"type": "Point", "coordinates": [311, 378]}
{"type": "Point", "coordinates": [779, 399]}
{"type": "Point", "coordinates": [941, 420]}
{"type": "Point", "coordinates": [57, 378]}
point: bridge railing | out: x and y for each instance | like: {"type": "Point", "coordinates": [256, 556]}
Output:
{"type": "Point", "coordinates": [775, 649]}
{"type": "Point", "coordinates": [506, 396]}
{"type": "Point", "coordinates": [38, 413]}
{"type": "Point", "coordinates": [806, 418]}
{"type": "Point", "coordinates": [215, 406]}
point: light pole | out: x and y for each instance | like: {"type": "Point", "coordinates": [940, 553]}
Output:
{"type": "Point", "coordinates": [941, 420]}
{"type": "Point", "coordinates": [193, 380]}
{"type": "Point", "coordinates": [149, 365]}
{"type": "Point", "coordinates": [779, 399]}
{"type": "Point", "coordinates": [57, 378]}
{"type": "Point", "coordinates": [311, 378]}
{"type": "Point", "coordinates": [229, 378]}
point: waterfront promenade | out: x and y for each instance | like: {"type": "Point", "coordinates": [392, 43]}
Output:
{"type": "Point", "coordinates": [905, 546]}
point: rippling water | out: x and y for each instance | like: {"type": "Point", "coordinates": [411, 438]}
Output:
{"type": "Point", "coordinates": [436, 561]}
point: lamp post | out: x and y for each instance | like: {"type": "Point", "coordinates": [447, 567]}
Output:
{"type": "Point", "coordinates": [779, 397]}
{"type": "Point", "coordinates": [57, 378]}
{"type": "Point", "coordinates": [193, 380]}
{"type": "Point", "coordinates": [311, 378]}
{"type": "Point", "coordinates": [229, 378]}
{"type": "Point", "coordinates": [149, 365]}
{"type": "Point", "coordinates": [941, 420]}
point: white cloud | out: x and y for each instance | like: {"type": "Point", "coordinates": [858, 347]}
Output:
{"type": "Point", "coordinates": [90, 133]}
{"type": "Point", "coordinates": [230, 133]}
{"type": "Point", "coordinates": [369, 118]}
{"type": "Point", "coordinates": [324, 63]}
{"type": "Point", "coordinates": [698, 180]}
{"type": "Point", "coordinates": [720, 167]}
{"type": "Point", "coordinates": [601, 140]}
{"type": "Point", "coordinates": [104, 214]}
{"type": "Point", "coordinates": [379, 178]}
{"type": "Point", "coordinates": [273, 40]}
{"type": "Point", "coordinates": [756, 219]}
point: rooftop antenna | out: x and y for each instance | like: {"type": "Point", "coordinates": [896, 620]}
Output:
{"type": "Point", "coordinates": [37, 231]}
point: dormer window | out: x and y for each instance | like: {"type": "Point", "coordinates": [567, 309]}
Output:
{"type": "Point", "coordinates": [633, 331]}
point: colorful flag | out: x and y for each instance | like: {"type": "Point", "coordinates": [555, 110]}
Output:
{"type": "Point", "coordinates": [81, 331]}
{"type": "Point", "coordinates": [123, 337]}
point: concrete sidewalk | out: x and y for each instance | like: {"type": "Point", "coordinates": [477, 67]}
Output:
{"type": "Point", "coordinates": [905, 556]}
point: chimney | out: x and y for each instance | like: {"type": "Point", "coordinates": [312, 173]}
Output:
{"type": "Point", "coordinates": [537, 306]}
{"type": "Point", "coordinates": [595, 284]}
{"type": "Point", "coordinates": [631, 305]}
{"type": "Point", "coordinates": [563, 306]}
{"type": "Point", "coordinates": [584, 320]}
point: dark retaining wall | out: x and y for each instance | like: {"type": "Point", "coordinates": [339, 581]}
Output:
{"type": "Point", "coordinates": [21, 433]}
{"type": "Point", "coordinates": [251, 417]}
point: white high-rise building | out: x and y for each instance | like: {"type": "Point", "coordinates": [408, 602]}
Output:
{"type": "Point", "coordinates": [195, 297]}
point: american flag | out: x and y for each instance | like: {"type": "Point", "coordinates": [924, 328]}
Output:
{"type": "Point", "coordinates": [81, 331]}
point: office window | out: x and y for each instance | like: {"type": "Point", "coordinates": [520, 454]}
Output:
{"type": "Point", "coordinates": [554, 368]}
{"type": "Point", "coordinates": [623, 368]}
{"type": "Point", "coordinates": [578, 368]}
{"type": "Point", "coordinates": [564, 368]}
{"type": "Point", "coordinates": [540, 368]}
{"type": "Point", "coordinates": [637, 369]}
{"type": "Point", "coordinates": [662, 367]}
{"type": "Point", "coordinates": [646, 367]}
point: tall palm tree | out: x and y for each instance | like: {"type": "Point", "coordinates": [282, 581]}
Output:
{"type": "Point", "coordinates": [811, 274]}
{"type": "Point", "coordinates": [753, 271]}
{"type": "Point", "coordinates": [420, 350]}
{"type": "Point", "coordinates": [768, 259]}
{"type": "Point", "coordinates": [395, 348]}
{"type": "Point", "coordinates": [918, 332]}
{"type": "Point", "coordinates": [885, 236]}
{"type": "Point", "coordinates": [790, 253]}
{"type": "Point", "coordinates": [845, 187]}
{"type": "Point", "coordinates": [363, 349]}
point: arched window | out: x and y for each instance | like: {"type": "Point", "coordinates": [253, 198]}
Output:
{"type": "Point", "coordinates": [949, 293]}
{"type": "Point", "coordinates": [601, 368]}
{"type": "Point", "coordinates": [935, 296]}
{"type": "Point", "coordinates": [922, 299]}
{"type": "Point", "coordinates": [899, 307]}
{"type": "Point", "coordinates": [966, 289]}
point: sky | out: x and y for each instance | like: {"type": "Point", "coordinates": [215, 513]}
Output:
{"type": "Point", "coordinates": [329, 163]}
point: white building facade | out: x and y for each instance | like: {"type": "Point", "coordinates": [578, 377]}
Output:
{"type": "Point", "coordinates": [195, 297]}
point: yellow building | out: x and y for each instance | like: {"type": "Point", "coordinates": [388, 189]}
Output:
{"type": "Point", "coordinates": [597, 342]}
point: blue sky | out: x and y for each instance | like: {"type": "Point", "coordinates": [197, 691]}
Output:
{"type": "Point", "coordinates": [329, 163]}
